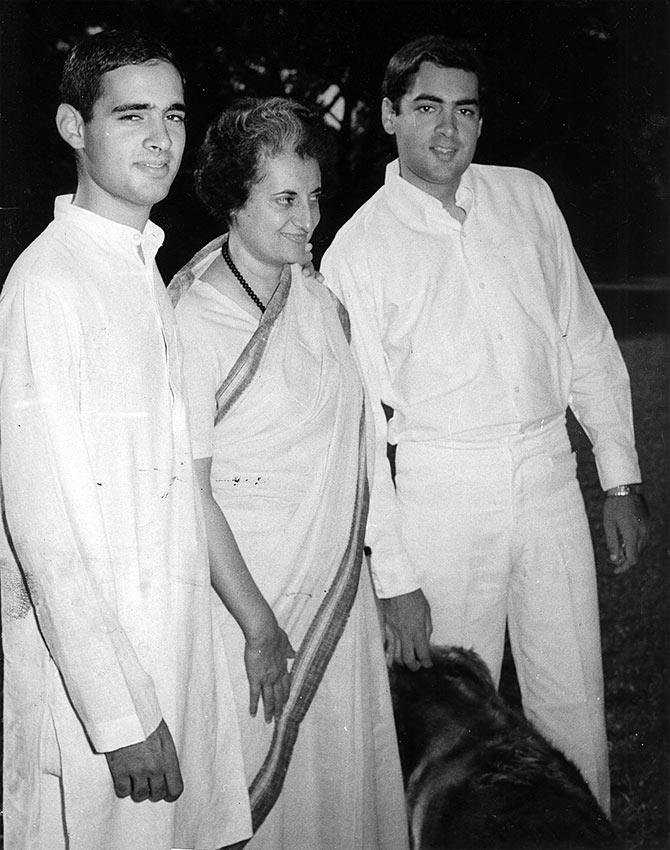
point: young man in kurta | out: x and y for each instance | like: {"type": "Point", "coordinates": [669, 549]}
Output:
{"type": "Point", "coordinates": [476, 323]}
{"type": "Point", "coordinates": [119, 727]}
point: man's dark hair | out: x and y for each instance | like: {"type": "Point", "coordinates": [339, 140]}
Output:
{"type": "Point", "coordinates": [95, 55]}
{"type": "Point", "coordinates": [231, 158]}
{"type": "Point", "coordinates": [438, 49]}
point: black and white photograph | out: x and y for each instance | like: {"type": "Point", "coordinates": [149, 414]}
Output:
{"type": "Point", "coordinates": [335, 424]}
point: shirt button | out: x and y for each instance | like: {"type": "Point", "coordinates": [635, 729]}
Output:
{"type": "Point", "coordinates": [500, 336]}
{"type": "Point", "coordinates": [516, 389]}
{"type": "Point", "coordinates": [482, 286]}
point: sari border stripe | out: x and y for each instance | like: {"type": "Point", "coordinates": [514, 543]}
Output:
{"type": "Point", "coordinates": [246, 366]}
{"type": "Point", "coordinates": [314, 654]}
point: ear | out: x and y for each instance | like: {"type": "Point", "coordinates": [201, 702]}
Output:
{"type": "Point", "coordinates": [479, 129]}
{"type": "Point", "coordinates": [388, 116]}
{"type": "Point", "coordinates": [70, 125]}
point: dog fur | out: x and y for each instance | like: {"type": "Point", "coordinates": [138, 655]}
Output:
{"type": "Point", "coordinates": [478, 775]}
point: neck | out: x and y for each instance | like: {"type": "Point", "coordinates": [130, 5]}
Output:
{"type": "Point", "coordinates": [136, 217]}
{"type": "Point", "coordinates": [445, 193]}
{"type": "Point", "coordinates": [261, 276]}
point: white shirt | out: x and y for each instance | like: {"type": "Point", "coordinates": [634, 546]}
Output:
{"type": "Point", "coordinates": [102, 507]}
{"type": "Point", "coordinates": [475, 331]}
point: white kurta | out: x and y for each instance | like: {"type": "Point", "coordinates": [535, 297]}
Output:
{"type": "Point", "coordinates": [101, 507]}
{"type": "Point", "coordinates": [479, 335]}
{"type": "Point", "coordinates": [285, 461]}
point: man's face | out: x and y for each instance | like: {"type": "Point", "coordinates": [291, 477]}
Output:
{"type": "Point", "coordinates": [436, 128]}
{"type": "Point", "coordinates": [130, 150]}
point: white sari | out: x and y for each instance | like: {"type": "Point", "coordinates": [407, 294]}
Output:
{"type": "Point", "coordinates": [280, 409]}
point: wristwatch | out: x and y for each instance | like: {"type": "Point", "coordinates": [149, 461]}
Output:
{"type": "Point", "coordinates": [622, 490]}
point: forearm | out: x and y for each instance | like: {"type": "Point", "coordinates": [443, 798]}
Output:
{"type": "Point", "coordinates": [230, 576]}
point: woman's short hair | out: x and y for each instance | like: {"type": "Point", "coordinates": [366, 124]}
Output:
{"type": "Point", "coordinates": [438, 49]}
{"type": "Point", "coordinates": [230, 160]}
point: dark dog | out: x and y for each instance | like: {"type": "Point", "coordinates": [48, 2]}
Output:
{"type": "Point", "coordinates": [477, 774]}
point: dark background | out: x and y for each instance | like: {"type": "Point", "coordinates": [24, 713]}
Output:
{"type": "Point", "coordinates": [578, 93]}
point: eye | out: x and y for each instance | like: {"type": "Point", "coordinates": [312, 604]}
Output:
{"type": "Point", "coordinates": [176, 117]}
{"type": "Point", "coordinates": [426, 108]}
{"type": "Point", "coordinates": [466, 110]}
{"type": "Point", "coordinates": [284, 200]}
{"type": "Point", "coordinates": [130, 116]}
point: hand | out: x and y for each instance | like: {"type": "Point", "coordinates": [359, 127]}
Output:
{"type": "Point", "coordinates": [265, 655]}
{"type": "Point", "coordinates": [308, 269]}
{"type": "Point", "coordinates": [626, 524]}
{"type": "Point", "coordinates": [407, 627]}
{"type": "Point", "coordinates": [148, 770]}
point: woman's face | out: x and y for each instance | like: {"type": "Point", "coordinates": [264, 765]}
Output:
{"type": "Point", "coordinates": [282, 210]}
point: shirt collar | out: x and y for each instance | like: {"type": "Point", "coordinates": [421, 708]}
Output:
{"type": "Point", "coordinates": [110, 233]}
{"type": "Point", "coordinates": [414, 206]}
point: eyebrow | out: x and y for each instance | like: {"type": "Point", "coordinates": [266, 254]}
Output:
{"type": "Point", "coordinates": [139, 107]}
{"type": "Point", "coordinates": [293, 191]}
{"type": "Point", "coordinates": [466, 101]}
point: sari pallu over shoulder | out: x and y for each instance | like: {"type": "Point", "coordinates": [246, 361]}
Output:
{"type": "Point", "coordinates": [323, 633]}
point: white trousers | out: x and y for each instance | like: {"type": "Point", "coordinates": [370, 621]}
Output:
{"type": "Point", "coordinates": [497, 533]}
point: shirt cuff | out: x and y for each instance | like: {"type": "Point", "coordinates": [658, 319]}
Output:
{"type": "Point", "coordinates": [615, 467]}
{"type": "Point", "coordinates": [122, 732]}
{"type": "Point", "coordinates": [392, 576]}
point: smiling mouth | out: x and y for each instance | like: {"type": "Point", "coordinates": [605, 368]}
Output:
{"type": "Point", "coordinates": [298, 238]}
{"type": "Point", "coordinates": [442, 151]}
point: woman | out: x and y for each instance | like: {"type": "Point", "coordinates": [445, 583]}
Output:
{"type": "Point", "coordinates": [279, 438]}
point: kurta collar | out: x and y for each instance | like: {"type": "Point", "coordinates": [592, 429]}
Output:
{"type": "Point", "coordinates": [110, 233]}
{"type": "Point", "coordinates": [416, 207]}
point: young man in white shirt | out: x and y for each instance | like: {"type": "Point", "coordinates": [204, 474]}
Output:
{"type": "Point", "coordinates": [119, 724]}
{"type": "Point", "coordinates": [475, 322]}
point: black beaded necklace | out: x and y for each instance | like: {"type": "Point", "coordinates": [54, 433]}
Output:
{"type": "Point", "coordinates": [238, 274]}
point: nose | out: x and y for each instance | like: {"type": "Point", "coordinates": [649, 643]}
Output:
{"type": "Point", "coordinates": [306, 216]}
{"type": "Point", "coordinates": [447, 123]}
{"type": "Point", "coordinates": [158, 138]}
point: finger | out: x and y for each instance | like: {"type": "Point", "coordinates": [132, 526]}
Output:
{"type": "Point", "coordinates": [254, 696]}
{"type": "Point", "coordinates": [174, 784]}
{"type": "Point", "coordinates": [612, 541]}
{"type": "Point", "coordinates": [423, 654]}
{"type": "Point", "coordinates": [623, 567]}
{"type": "Point", "coordinates": [122, 786]}
{"type": "Point", "coordinates": [397, 651]}
{"type": "Point", "coordinates": [280, 697]}
{"type": "Point", "coordinates": [285, 687]}
{"type": "Point", "coordinates": [140, 790]}
{"type": "Point", "coordinates": [268, 702]}
{"type": "Point", "coordinates": [156, 787]}
{"type": "Point", "coordinates": [389, 646]}
{"type": "Point", "coordinates": [429, 626]}
{"type": "Point", "coordinates": [409, 658]}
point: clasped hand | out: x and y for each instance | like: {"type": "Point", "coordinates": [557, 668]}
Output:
{"type": "Point", "coordinates": [148, 770]}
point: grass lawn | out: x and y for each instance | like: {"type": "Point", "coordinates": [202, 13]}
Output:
{"type": "Point", "coordinates": [635, 613]}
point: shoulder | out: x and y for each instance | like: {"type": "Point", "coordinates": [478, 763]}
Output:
{"type": "Point", "coordinates": [355, 231]}
{"type": "Point", "coordinates": [48, 267]}
{"type": "Point", "coordinates": [328, 303]}
{"type": "Point", "coordinates": [506, 178]}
